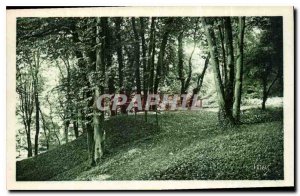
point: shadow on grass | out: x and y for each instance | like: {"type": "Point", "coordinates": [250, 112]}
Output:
{"type": "Point", "coordinates": [124, 130]}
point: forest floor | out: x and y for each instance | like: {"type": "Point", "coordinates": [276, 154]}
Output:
{"type": "Point", "coordinates": [187, 145]}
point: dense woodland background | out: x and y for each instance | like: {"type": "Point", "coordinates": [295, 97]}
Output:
{"type": "Point", "coordinates": [63, 64]}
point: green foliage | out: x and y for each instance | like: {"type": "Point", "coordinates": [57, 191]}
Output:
{"type": "Point", "coordinates": [263, 56]}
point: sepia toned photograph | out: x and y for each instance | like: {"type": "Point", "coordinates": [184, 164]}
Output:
{"type": "Point", "coordinates": [150, 98]}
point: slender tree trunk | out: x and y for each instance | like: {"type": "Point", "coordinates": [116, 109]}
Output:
{"type": "Point", "coordinates": [145, 70]}
{"type": "Point", "coordinates": [264, 84]}
{"type": "Point", "coordinates": [107, 57]}
{"type": "Point", "coordinates": [137, 56]}
{"type": "Point", "coordinates": [37, 130]}
{"type": "Point", "coordinates": [180, 64]}
{"type": "Point", "coordinates": [263, 104]}
{"type": "Point", "coordinates": [66, 131]}
{"type": "Point", "coordinates": [239, 71]}
{"type": "Point", "coordinates": [69, 112]}
{"type": "Point", "coordinates": [75, 125]}
{"type": "Point", "coordinates": [221, 35]}
{"type": "Point", "coordinates": [120, 52]}
{"type": "Point", "coordinates": [144, 55]}
{"type": "Point", "coordinates": [29, 144]}
{"type": "Point", "coordinates": [37, 106]}
{"type": "Point", "coordinates": [151, 56]}
{"type": "Point", "coordinates": [82, 121]}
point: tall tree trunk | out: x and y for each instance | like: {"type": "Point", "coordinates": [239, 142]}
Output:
{"type": "Point", "coordinates": [151, 56]}
{"type": "Point", "coordinates": [221, 35]}
{"type": "Point", "coordinates": [98, 117]}
{"type": "Point", "coordinates": [239, 71]}
{"type": "Point", "coordinates": [119, 48]}
{"type": "Point", "coordinates": [224, 116]}
{"type": "Point", "coordinates": [37, 105]}
{"type": "Point", "coordinates": [144, 60]}
{"type": "Point", "coordinates": [37, 126]}
{"type": "Point", "coordinates": [144, 55]}
{"type": "Point", "coordinates": [120, 58]}
{"type": "Point", "coordinates": [137, 56]}
{"type": "Point", "coordinates": [180, 64]}
{"type": "Point", "coordinates": [69, 112]}
{"type": "Point", "coordinates": [107, 57]}
{"type": "Point", "coordinates": [229, 85]}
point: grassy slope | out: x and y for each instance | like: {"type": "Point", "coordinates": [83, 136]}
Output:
{"type": "Point", "coordinates": [190, 145]}
{"type": "Point", "coordinates": [49, 164]}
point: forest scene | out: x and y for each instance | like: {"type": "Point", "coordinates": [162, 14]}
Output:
{"type": "Point", "coordinates": [149, 98]}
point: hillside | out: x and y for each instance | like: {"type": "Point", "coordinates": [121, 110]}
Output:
{"type": "Point", "coordinates": [186, 145]}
